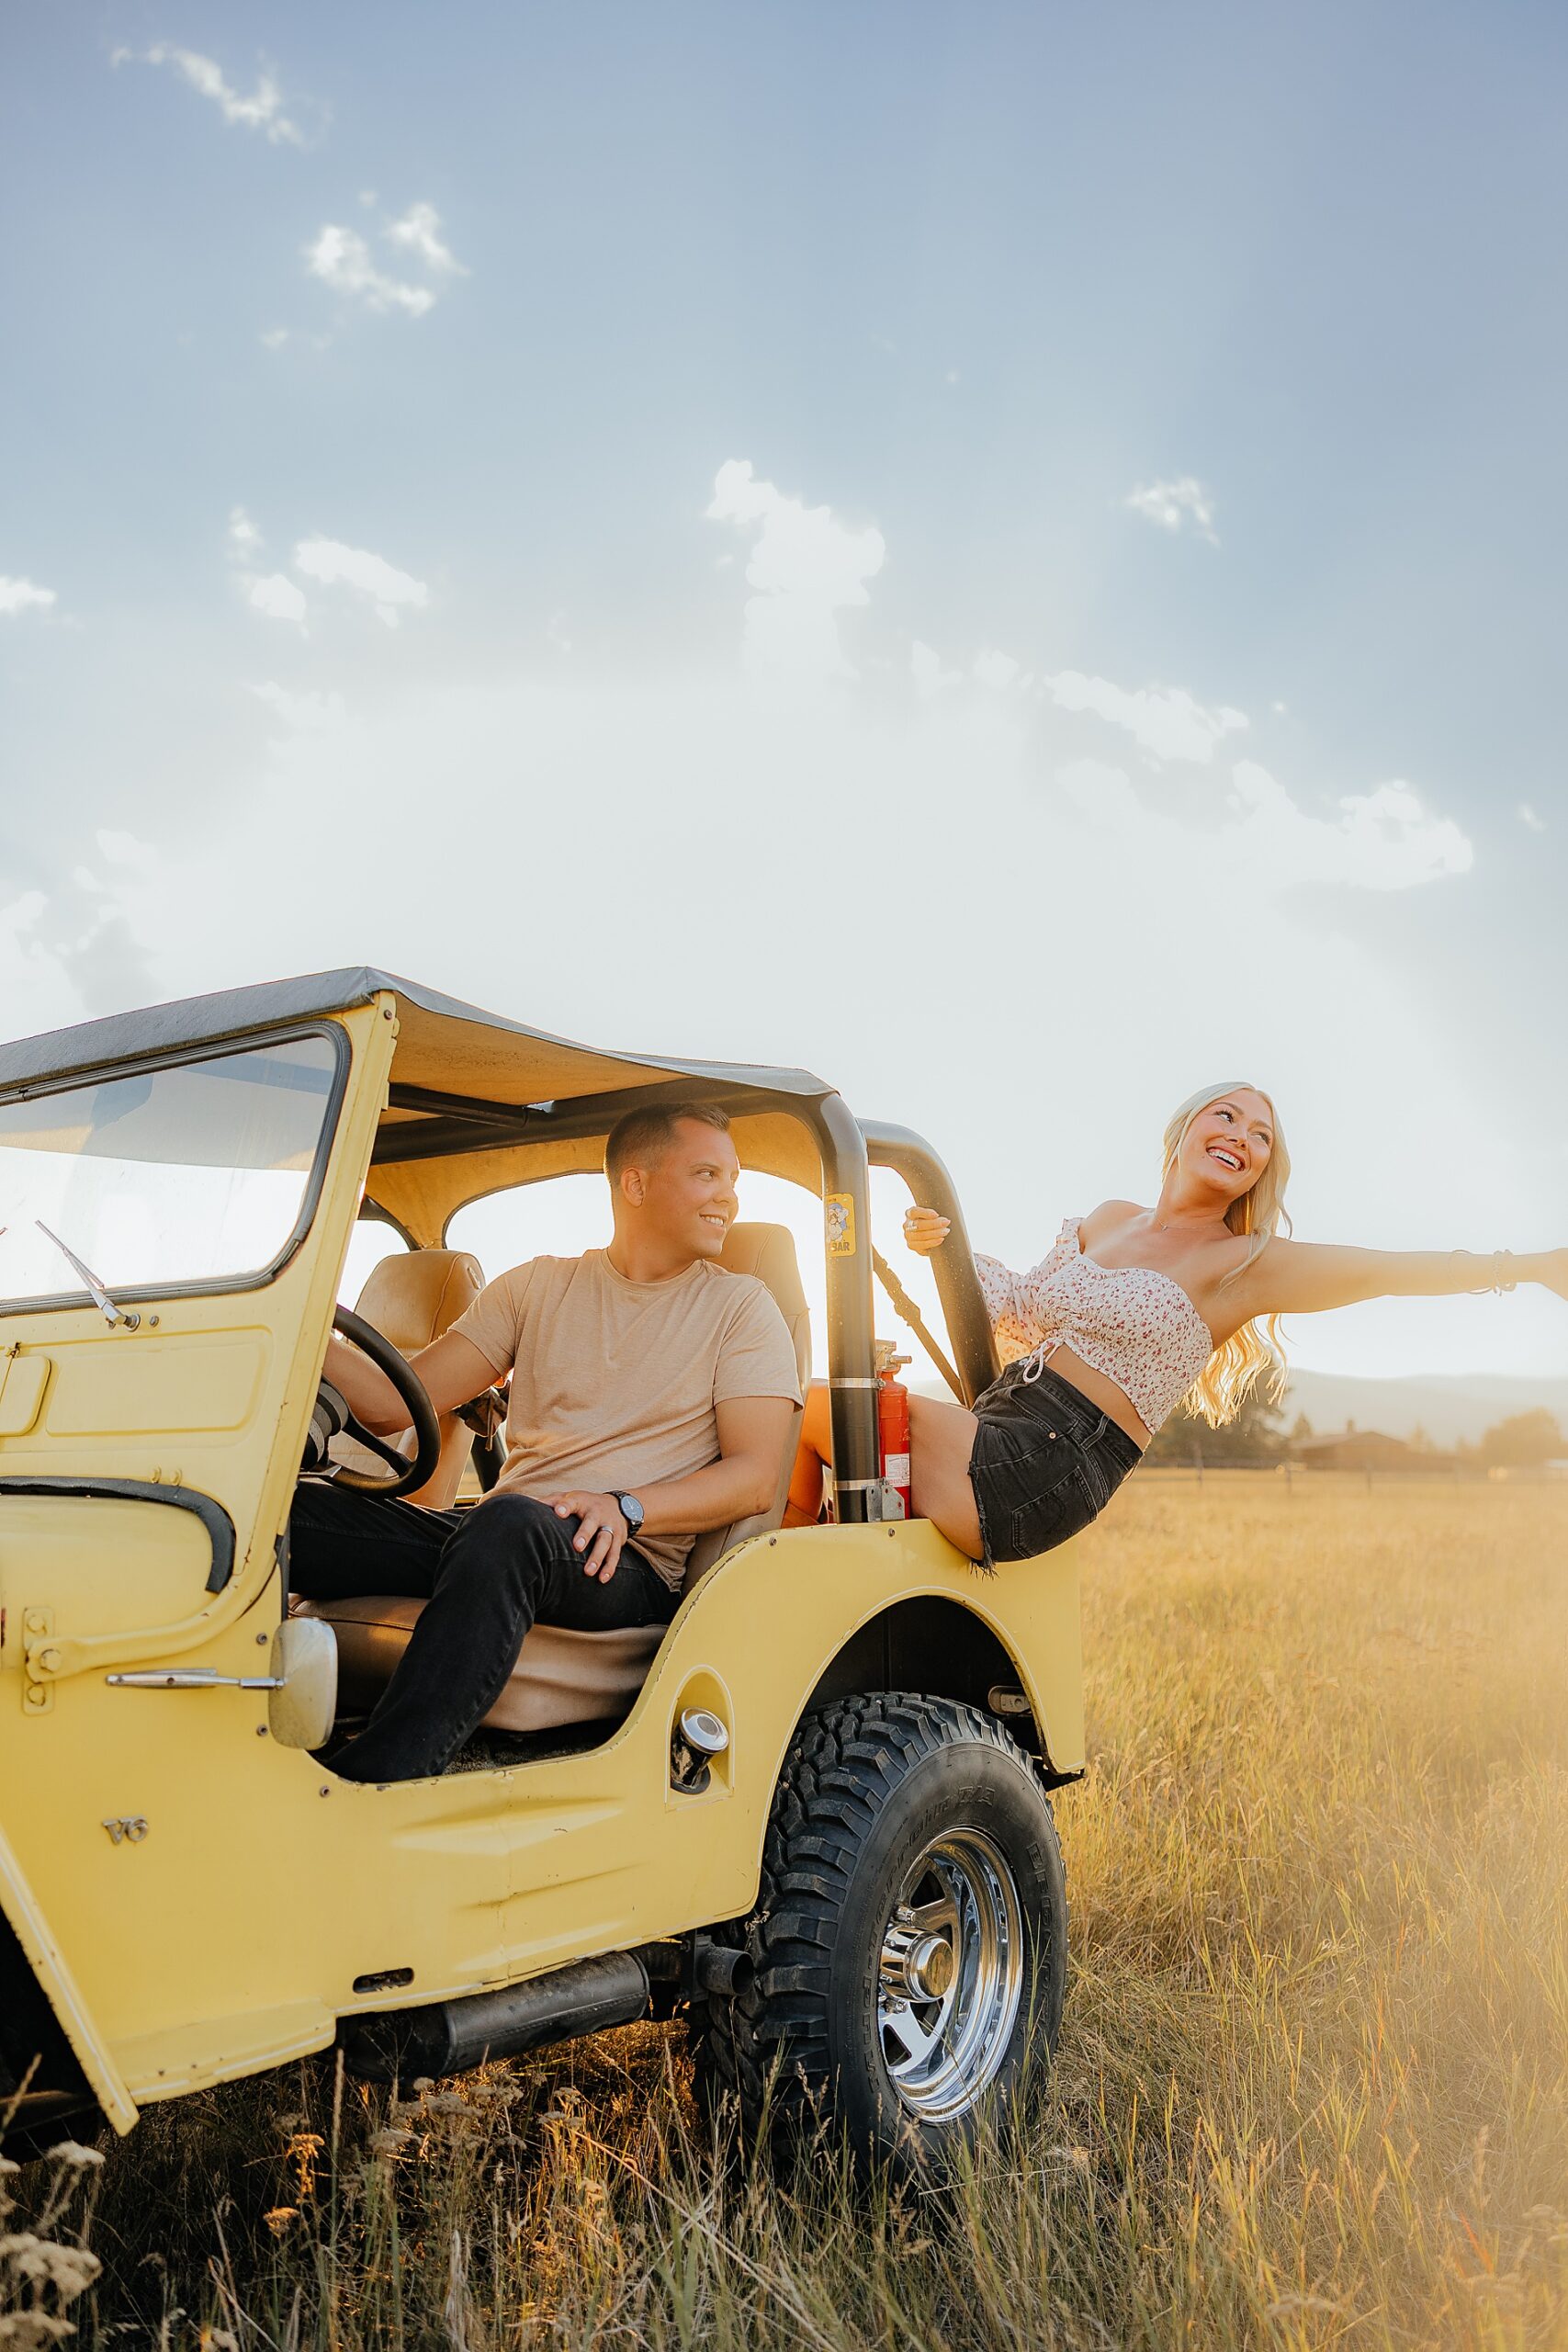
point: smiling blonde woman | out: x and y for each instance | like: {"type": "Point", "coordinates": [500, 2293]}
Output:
{"type": "Point", "coordinates": [1134, 1311]}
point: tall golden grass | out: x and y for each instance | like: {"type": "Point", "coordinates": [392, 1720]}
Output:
{"type": "Point", "coordinates": [1312, 2087]}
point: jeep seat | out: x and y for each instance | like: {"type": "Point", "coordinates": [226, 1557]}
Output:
{"type": "Point", "coordinates": [563, 1677]}
{"type": "Point", "coordinates": [412, 1298]}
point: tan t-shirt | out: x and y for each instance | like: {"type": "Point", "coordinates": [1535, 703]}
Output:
{"type": "Point", "coordinates": [615, 1383]}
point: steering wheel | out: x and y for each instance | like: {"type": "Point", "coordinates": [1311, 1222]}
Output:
{"type": "Point", "coordinates": [386, 1358]}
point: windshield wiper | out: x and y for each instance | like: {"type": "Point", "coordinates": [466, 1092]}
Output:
{"type": "Point", "coordinates": [112, 1314]}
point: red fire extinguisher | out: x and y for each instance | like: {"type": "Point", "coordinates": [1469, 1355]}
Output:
{"type": "Point", "coordinates": [893, 1425]}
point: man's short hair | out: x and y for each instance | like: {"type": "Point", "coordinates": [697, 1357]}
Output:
{"type": "Point", "coordinates": [647, 1135]}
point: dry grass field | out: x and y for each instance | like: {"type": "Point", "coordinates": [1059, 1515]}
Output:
{"type": "Point", "coordinates": [1313, 2084]}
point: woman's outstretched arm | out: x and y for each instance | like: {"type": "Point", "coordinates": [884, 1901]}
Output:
{"type": "Point", "coordinates": [1303, 1277]}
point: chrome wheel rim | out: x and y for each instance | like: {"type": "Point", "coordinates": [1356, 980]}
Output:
{"type": "Point", "coordinates": [950, 1975]}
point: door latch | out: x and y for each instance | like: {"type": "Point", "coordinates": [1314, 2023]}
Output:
{"type": "Point", "coordinates": [192, 1678]}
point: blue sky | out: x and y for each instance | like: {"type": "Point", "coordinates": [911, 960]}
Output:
{"type": "Point", "coordinates": [1008, 554]}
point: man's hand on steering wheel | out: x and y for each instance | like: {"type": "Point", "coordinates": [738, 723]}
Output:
{"type": "Point", "coordinates": [409, 1474]}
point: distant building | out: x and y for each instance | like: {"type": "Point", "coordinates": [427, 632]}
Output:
{"type": "Point", "coordinates": [1354, 1449]}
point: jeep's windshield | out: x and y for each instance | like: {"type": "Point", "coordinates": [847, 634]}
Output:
{"type": "Point", "coordinates": [186, 1175]}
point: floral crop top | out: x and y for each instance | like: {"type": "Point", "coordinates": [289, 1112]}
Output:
{"type": "Point", "coordinates": [1136, 1325]}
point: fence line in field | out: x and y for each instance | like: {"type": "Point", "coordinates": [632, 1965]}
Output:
{"type": "Point", "coordinates": [1292, 1475]}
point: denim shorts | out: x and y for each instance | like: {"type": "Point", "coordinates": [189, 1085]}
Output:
{"type": "Point", "coordinates": [1045, 1462]}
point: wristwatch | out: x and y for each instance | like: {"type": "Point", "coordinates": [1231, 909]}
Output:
{"type": "Point", "coordinates": [631, 1511]}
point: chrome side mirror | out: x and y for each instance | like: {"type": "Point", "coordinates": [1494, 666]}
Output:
{"type": "Point", "coordinates": [304, 1671]}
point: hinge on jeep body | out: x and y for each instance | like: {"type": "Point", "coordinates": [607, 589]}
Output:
{"type": "Point", "coordinates": [41, 1660]}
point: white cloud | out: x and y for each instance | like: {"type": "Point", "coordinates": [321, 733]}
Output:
{"type": "Point", "coordinates": [24, 595]}
{"type": "Point", "coordinates": [274, 338]}
{"type": "Point", "coordinates": [806, 566]}
{"type": "Point", "coordinates": [1171, 505]}
{"type": "Point", "coordinates": [419, 232]}
{"type": "Point", "coordinates": [274, 596]}
{"type": "Point", "coordinates": [1267, 844]}
{"type": "Point", "coordinates": [1104, 798]}
{"type": "Point", "coordinates": [390, 590]}
{"type": "Point", "coordinates": [22, 913]}
{"type": "Point", "coordinates": [1381, 839]}
{"type": "Point", "coordinates": [946, 806]}
{"type": "Point", "coordinates": [342, 259]}
{"type": "Point", "coordinates": [311, 713]}
{"type": "Point", "coordinates": [121, 850]}
{"type": "Point", "coordinates": [277, 597]}
{"type": "Point", "coordinates": [927, 669]}
{"type": "Point", "coordinates": [31, 986]}
{"type": "Point", "coordinates": [125, 850]}
{"type": "Point", "coordinates": [955, 809]}
{"type": "Point", "coordinates": [1529, 817]}
{"type": "Point", "coordinates": [329, 561]}
{"type": "Point", "coordinates": [1167, 721]}
{"type": "Point", "coordinates": [994, 668]}
{"type": "Point", "coordinates": [262, 110]}
{"type": "Point", "coordinates": [80, 948]}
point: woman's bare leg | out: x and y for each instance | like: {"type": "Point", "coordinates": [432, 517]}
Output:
{"type": "Point", "coordinates": [942, 1438]}
{"type": "Point", "coordinates": [813, 1459]}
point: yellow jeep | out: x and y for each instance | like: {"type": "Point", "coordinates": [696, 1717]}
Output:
{"type": "Point", "coordinates": [812, 1813]}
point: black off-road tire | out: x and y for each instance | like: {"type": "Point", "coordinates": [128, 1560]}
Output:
{"type": "Point", "coordinates": [871, 1782]}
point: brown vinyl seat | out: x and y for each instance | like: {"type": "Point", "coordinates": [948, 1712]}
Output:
{"type": "Point", "coordinates": [562, 1676]}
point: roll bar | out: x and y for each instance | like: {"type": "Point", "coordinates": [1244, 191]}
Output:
{"type": "Point", "coordinates": [957, 1285]}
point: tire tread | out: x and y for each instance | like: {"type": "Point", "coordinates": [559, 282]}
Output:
{"type": "Point", "coordinates": [844, 1762]}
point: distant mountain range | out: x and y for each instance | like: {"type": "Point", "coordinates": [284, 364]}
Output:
{"type": "Point", "coordinates": [1447, 1405]}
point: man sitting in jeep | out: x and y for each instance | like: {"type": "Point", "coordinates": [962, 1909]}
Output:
{"type": "Point", "coordinates": [650, 1400]}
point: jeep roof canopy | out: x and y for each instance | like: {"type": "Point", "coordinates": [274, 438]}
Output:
{"type": "Point", "coordinates": [478, 1103]}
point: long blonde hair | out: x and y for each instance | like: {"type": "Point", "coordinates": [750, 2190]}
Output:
{"type": "Point", "coordinates": [1235, 1369]}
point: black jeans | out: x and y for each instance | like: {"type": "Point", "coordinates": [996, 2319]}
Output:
{"type": "Point", "coordinates": [1045, 1463]}
{"type": "Point", "coordinates": [487, 1574]}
